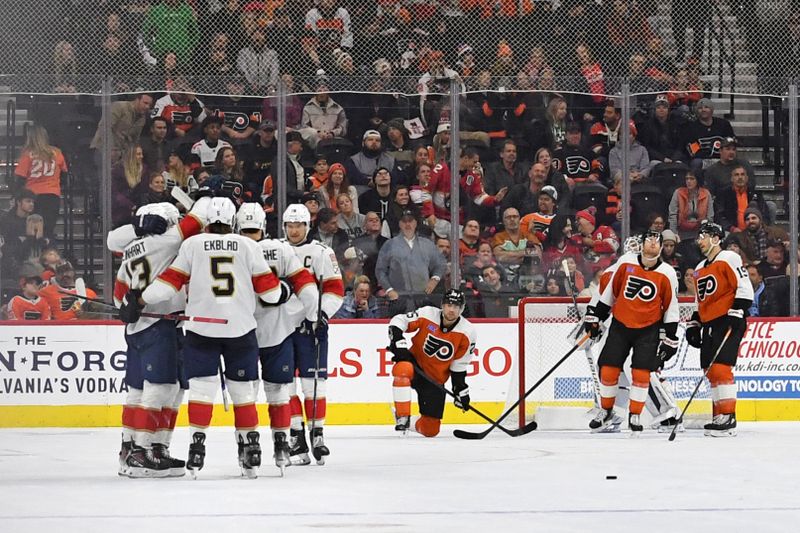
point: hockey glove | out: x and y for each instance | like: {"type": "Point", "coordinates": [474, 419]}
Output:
{"type": "Point", "coordinates": [667, 348]}
{"type": "Point", "coordinates": [461, 390]}
{"type": "Point", "coordinates": [321, 327]}
{"type": "Point", "coordinates": [591, 325]}
{"type": "Point", "coordinates": [286, 293]}
{"type": "Point", "coordinates": [131, 310]}
{"type": "Point", "coordinates": [149, 225]}
{"type": "Point", "coordinates": [693, 331]}
{"type": "Point", "coordinates": [736, 321]}
{"type": "Point", "coordinates": [398, 345]}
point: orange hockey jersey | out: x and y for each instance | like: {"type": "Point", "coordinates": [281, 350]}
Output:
{"type": "Point", "coordinates": [720, 281]}
{"type": "Point", "coordinates": [62, 306]}
{"type": "Point", "coordinates": [639, 296]}
{"type": "Point", "coordinates": [438, 350]}
{"type": "Point", "coordinates": [21, 308]}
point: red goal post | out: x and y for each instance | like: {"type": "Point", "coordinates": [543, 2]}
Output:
{"type": "Point", "coordinates": [547, 328]}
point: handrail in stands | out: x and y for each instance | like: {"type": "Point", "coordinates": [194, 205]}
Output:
{"type": "Point", "coordinates": [11, 126]}
{"type": "Point", "coordinates": [728, 55]}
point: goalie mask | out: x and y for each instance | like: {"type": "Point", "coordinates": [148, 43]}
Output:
{"type": "Point", "coordinates": [633, 245]}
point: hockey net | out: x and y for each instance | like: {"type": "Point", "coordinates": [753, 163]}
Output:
{"type": "Point", "coordinates": [548, 328]}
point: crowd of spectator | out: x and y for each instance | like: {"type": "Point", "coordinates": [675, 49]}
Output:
{"type": "Point", "coordinates": [540, 171]}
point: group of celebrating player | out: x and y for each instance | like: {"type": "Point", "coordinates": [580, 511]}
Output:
{"type": "Point", "coordinates": [270, 301]}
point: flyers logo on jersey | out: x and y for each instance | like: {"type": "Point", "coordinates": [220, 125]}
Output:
{"type": "Point", "coordinates": [639, 288]}
{"type": "Point", "coordinates": [439, 348]}
{"type": "Point", "coordinates": [706, 286]}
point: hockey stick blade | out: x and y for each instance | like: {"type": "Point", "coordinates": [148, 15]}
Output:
{"type": "Point", "coordinates": [674, 433]}
{"type": "Point", "coordinates": [207, 320]}
{"type": "Point", "coordinates": [469, 435]}
{"type": "Point", "coordinates": [524, 429]}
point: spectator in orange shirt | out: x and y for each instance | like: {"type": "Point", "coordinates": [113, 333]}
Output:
{"type": "Point", "coordinates": [63, 306]}
{"type": "Point", "coordinates": [29, 305]}
{"type": "Point", "coordinates": [40, 167]}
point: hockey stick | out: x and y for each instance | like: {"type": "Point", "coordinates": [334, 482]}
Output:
{"type": "Point", "coordinates": [154, 315]}
{"type": "Point", "coordinates": [513, 432]}
{"type": "Point", "coordinates": [183, 198]}
{"type": "Point", "coordinates": [318, 347]}
{"type": "Point", "coordinates": [477, 436]}
{"type": "Point", "coordinates": [699, 381]}
{"type": "Point", "coordinates": [224, 387]}
{"type": "Point", "coordinates": [587, 348]}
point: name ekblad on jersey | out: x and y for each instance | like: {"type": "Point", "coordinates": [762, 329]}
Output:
{"type": "Point", "coordinates": [706, 286]}
{"type": "Point", "coordinates": [439, 348]}
{"type": "Point", "coordinates": [641, 288]}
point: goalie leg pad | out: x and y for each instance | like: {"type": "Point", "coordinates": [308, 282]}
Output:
{"type": "Point", "coordinates": [609, 377]}
{"type": "Point", "coordinates": [427, 426]}
{"type": "Point", "coordinates": [308, 400]}
{"type": "Point", "coordinates": [660, 401]}
{"type": "Point", "coordinates": [202, 393]}
{"type": "Point", "coordinates": [721, 378]}
{"type": "Point", "coordinates": [403, 373]}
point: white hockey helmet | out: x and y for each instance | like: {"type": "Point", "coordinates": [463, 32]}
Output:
{"type": "Point", "coordinates": [297, 213]}
{"type": "Point", "coordinates": [149, 209]}
{"type": "Point", "coordinates": [170, 212]}
{"type": "Point", "coordinates": [633, 245]}
{"type": "Point", "coordinates": [221, 210]}
{"type": "Point", "coordinates": [251, 216]}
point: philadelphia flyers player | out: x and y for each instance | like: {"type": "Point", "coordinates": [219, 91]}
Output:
{"type": "Point", "coordinates": [441, 346]}
{"type": "Point", "coordinates": [724, 294]}
{"type": "Point", "coordinates": [642, 298]}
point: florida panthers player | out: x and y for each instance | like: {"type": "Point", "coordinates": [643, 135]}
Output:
{"type": "Point", "coordinates": [660, 401]}
{"type": "Point", "coordinates": [224, 273]}
{"type": "Point", "coordinates": [724, 294]}
{"type": "Point", "coordinates": [310, 340]}
{"type": "Point", "coordinates": [275, 327]}
{"type": "Point", "coordinates": [152, 371]}
{"type": "Point", "coordinates": [441, 347]}
{"type": "Point", "coordinates": [642, 297]}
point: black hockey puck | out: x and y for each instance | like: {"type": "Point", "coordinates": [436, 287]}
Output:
{"type": "Point", "coordinates": [611, 477]}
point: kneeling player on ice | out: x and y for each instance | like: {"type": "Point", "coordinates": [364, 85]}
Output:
{"type": "Point", "coordinates": [310, 339]}
{"type": "Point", "coordinates": [441, 348]}
{"type": "Point", "coordinates": [724, 294]}
{"type": "Point", "coordinates": [226, 271]}
{"type": "Point", "coordinates": [642, 297]}
{"type": "Point", "coordinates": [276, 325]}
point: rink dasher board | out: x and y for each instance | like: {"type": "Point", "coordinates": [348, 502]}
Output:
{"type": "Point", "coordinates": [56, 374]}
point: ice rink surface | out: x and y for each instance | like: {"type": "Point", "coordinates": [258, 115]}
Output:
{"type": "Point", "coordinates": [64, 480]}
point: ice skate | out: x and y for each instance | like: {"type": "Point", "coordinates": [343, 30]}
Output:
{"type": "Point", "coordinates": [124, 452]}
{"type": "Point", "coordinates": [250, 454]}
{"type": "Point", "coordinates": [666, 426]}
{"type": "Point", "coordinates": [299, 447]}
{"type": "Point", "coordinates": [402, 423]}
{"type": "Point", "coordinates": [318, 448]}
{"type": "Point", "coordinates": [604, 419]}
{"type": "Point", "coordinates": [614, 426]}
{"type": "Point", "coordinates": [723, 425]}
{"type": "Point", "coordinates": [197, 453]}
{"type": "Point", "coordinates": [141, 463]}
{"type": "Point", "coordinates": [177, 467]}
{"type": "Point", "coordinates": [282, 452]}
{"type": "Point", "coordinates": [635, 425]}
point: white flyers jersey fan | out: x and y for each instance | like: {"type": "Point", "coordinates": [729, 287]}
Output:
{"type": "Point", "coordinates": [321, 261]}
{"type": "Point", "coordinates": [277, 323]}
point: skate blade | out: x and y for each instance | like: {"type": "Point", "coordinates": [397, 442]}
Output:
{"type": "Point", "coordinates": [177, 472]}
{"type": "Point", "coordinates": [720, 433]}
{"type": "Point", "coordinates": [146, 473]}
{"type": "Point", "coordinates": [192, 472]}
{"type": "Point", "coordinates": [300, 460]}
{"type": "Point", "coordinates": [635, 434]}
{"type": "Point", "coordinates": [321, 461]}
{"type": "Point", "coordinates": [249, 473]}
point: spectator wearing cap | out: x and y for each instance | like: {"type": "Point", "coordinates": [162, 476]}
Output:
{"type": "Point", "coordinates": [260, 156]}
{"type": "Point", "coordinates": [555, 177]}
{"type": "Point", "coordinates": [718, 176]}
{"type": "Point", "coordinates": [703, 137]}
{"type": "Point", "coordinates": [398, 147]}
{"type": "Point", "coordinates": [731, 203]}
{"type": "Point", "coordinates": [525, 198]}
{"type": "Point", "coordinates": [757, 234]}
{"type": "Point", "coordinates": [379, 195]}
{"type": "Point", "coordinates": [578, 164]}
{"type": "Point", "coordinates": [323, 119]}
{"type": "Point", "coordinates": [320, 175]}
{"type": "Point", "coordinates": [690, 205]}
{"type": "Point", "coordinates": [537, 224]}
{"type": "Point", "coordinates": [669, 249]}
{"type": "Point", "coordinates": [409, 267]}
{"type": "Point", "coordinates": [258, 63]}
{"type": "Point", "coordinates": [361, 167]}
{"type": "Point", "coordinates": [660, 134]}
{"type": "Point", "coordinates": [181, 108]}
{"type": "Point", "coordinates": [598, 244]}
{"type": "Point", "coordinates": [156, 146]}
{"type": "Point", "coordinates": [311, 201]}
{"type": "Point", "coordinates": [204, 152]}
{"type": "Point", "coordinates": [29, 305]}
{"type": "Point", "coordinates": [328, 232]}
{"type": "Point", "coordinates": [639, 164]}
{"type": "Point", "coordinates": [338, 182]}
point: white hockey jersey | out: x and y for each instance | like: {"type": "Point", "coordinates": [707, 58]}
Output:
{"type": "Point", "coordinates": [227, 271]}
{"type": "Point", "coordinates": [206, 153]}
{"type": "Point", "coordinates": [275, 323]}
{"type": "Point", "coordinates": [321, 261]}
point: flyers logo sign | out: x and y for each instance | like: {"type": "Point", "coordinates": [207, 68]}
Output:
{"type": "Point", "coordinates": [706, 286]}
{"type": "Point", "coordinates": [439, 348]}
{"type": "Point", "coordinates": [640, 288]}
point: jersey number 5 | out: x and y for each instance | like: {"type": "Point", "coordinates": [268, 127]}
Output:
{"type": "Point", "coordinates": [225, 287]}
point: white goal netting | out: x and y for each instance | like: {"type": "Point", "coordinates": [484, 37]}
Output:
{"type": "Point", "coordinates": [548, 328]}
